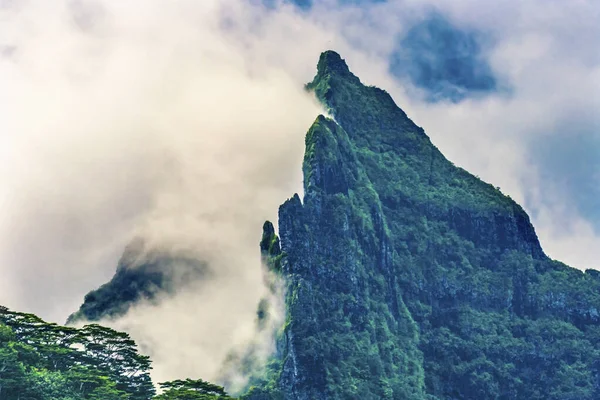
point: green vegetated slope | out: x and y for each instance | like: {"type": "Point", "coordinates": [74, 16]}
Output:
{"type": "Point", "coordinates": [45, 361]}
{"type": "Point", "coordinates": [409, 278]}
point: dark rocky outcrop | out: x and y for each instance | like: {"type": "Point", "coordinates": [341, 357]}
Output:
{"type": "Point", "coordinates": [142, 274]}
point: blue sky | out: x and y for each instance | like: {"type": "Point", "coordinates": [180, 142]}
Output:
{"type": "Point", "coordinates": [572, 165]}
{"type": "Point", "coordinates": [446, 61]}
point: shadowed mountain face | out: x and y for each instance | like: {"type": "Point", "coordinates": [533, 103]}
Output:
{"type": "Point", "coordinates": [409, 278]}
{"type": "Point", "coordinates": [142, 274]}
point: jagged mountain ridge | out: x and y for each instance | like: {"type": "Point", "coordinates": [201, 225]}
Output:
{"type": "Point", "coordinates": [406, 276]}
{"type": "Point", "coordinates": [409, 278]}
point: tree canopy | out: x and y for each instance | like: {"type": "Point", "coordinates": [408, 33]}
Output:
{"type": "Point", "coordinates": [41, 360]}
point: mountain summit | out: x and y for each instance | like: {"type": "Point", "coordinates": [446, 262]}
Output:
{"type": "Point", "coordinates": [331, 62]}
{"type": "Point", "coordinates": [409, 278]}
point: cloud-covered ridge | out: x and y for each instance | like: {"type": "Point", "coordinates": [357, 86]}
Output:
{"type": "Point", "coordinates": [184, 123]}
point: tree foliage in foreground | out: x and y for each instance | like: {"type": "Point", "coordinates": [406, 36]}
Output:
{"type": "Point", "coordinates": [40, 360]}
{"type": "Point", "coordinates": [46, 361]}
{"type": "Point", "coordinates": [191, 390]}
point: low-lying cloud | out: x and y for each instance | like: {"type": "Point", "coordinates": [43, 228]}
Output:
{"type": "Point", "coordinates": [184, 122]}
{"type": "Point", "coordinates": [134, 119]}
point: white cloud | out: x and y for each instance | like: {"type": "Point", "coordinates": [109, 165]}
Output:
{"type": "Point", "coordinates": [150, 120]}
{"type": "Point", "coordinates": [186, 122]}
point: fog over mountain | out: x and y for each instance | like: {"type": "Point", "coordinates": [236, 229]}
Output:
{"type": "Point", "coordinates": [184, 123]}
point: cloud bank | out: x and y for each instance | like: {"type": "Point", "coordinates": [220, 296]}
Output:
{"type": "Point", "coordinates": [184, 122]}
{"type": "Point", "coordinates": [122, 120]}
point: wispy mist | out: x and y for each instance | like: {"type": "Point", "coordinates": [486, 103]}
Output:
{"type": "Point", "coordinates": [183, 122]}
{"type": "Point", "coordinates": [128, 120]}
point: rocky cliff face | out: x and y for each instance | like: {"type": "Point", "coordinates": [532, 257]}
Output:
{"type": "Point", "coordinates": [409, 278]}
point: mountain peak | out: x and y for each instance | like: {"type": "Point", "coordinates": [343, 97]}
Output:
{"type": "Point", "coordinates": [330, 61]}
{"type": "Point", "coordinates": [395, 253]}
{"type": "Point", "coordinates": [330, 68]}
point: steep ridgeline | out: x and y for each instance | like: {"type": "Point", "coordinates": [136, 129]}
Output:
{"type": "Point", "coordinates": [142, 274]}
{"type": "Point", "coordinates": [409, 278]}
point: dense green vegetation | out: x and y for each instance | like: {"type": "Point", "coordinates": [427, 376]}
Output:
{"type": "Point", "coordinates": [409, 278]}
{"type": "Point", "coordinates": [192, 390]}
{"type": "Point", "coordinates": [45, 361]}
{"type": "Point", "coordinates": [40, 360]}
